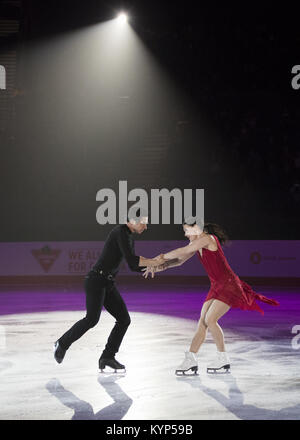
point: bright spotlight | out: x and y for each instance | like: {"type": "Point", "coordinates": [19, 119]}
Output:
{"type": "Point", "coordinates": [122, 18]}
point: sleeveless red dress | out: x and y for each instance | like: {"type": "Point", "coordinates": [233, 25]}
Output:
{"type": "Point", "coordinates": [226, 285]}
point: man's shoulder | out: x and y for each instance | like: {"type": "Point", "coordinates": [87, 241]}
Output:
{"type": "Point", "coordinates": [119, 229]}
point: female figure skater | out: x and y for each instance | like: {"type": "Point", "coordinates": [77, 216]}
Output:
{"type": "Point", "coordinates": [227, 290]}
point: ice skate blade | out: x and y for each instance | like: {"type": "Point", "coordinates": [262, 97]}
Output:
{"type": "Point", "coordinates": [222, 370]}
{"type": "Point", "coordinates": [112, 371]}
{"type": "Point", "coordinates": [190, 372]}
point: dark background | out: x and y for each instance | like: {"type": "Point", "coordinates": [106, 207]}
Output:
{"type": "Point", "coordinates": [224, 118]}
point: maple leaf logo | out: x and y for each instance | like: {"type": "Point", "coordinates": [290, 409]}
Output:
{"type": "Point", "coordinates": [46, 256]}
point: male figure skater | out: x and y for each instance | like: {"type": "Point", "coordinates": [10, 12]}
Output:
{"type": "Point", "coordinates": [101, 291]}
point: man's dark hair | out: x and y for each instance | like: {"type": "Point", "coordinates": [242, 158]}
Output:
{"type": "Point", "coordinates": [141, 212]}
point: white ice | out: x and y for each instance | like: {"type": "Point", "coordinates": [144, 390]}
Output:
{"type": "Point", "coordinates": [264, 382]}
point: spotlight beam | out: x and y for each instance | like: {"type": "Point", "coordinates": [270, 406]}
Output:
{"type": "Point", "coordinates": [122, 18]}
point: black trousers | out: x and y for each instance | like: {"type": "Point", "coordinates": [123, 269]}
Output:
{"type": "Point", "coordinates": [100, 292]}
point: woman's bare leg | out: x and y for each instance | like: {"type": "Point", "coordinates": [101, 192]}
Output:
{"type": "Point", "coordinates": [201, 331]}
{"type": "Point", "coordinates": [216, 310]}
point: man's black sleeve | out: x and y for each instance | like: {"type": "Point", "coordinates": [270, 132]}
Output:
{"type": "Point", "coordinates": [128, 252]}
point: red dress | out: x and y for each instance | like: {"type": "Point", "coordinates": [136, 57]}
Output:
{"type": "Point", "coordinates": [226, 285]}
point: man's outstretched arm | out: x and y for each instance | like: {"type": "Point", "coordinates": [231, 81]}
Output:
{"type": "Point", "coordinates": [135, 262]}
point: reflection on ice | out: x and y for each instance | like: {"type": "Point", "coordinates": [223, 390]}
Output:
{"type": "Point", "coordinates": [262, 383]}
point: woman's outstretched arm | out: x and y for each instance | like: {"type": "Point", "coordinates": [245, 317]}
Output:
{"type": "Point", "coordinates": [167, 265]}
{"type": "Point", "coordinates": [188, 251]}
{"type": "Point", "coordinates": [177, 257]}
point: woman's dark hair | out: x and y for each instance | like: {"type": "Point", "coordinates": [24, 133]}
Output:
{"type": "Point", "coordinates": [210, 228]}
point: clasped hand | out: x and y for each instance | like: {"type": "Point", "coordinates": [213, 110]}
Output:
{"type": "Point", "coordinates": [159, 260]}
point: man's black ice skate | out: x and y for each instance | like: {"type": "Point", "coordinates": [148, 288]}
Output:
{"type": "Point", "coordinates": [59, 352]}
{"type": "Point", "coordinates": [112, 363]}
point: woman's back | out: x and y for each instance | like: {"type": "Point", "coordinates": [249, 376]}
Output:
{"type": "Point", "coordinates": [226, 286]}
{"type": "Point", "coordinates": [216, 264]}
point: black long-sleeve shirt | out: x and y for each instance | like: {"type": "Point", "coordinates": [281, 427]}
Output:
{"type": "Point", "coordinates": [118, 245]}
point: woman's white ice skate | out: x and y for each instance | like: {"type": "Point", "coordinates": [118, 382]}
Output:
{"type": "Point", "coordinates": [189, 366]}
{"type": "Point", "coordinates": [221, 364]}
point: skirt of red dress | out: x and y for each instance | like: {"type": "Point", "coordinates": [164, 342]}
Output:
{"type": "Point", "coordinates": [238, 294]}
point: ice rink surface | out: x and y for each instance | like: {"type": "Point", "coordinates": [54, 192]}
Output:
{"type": "Point", "coordinates": [265, 362]}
